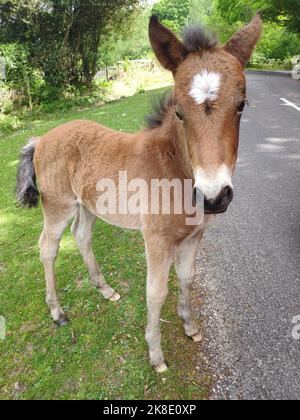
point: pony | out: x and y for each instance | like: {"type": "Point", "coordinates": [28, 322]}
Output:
{"type": "Point", "coordinates": [194, 137]}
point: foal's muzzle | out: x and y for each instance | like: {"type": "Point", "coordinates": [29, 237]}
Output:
{"type": "Point", "coordinates": [217, 205]}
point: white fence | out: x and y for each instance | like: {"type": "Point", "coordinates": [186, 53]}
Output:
{"type": "Point", "coordinates": [113, 72]}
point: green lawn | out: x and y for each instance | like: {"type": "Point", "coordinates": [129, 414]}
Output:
{"type": "Point", "coordinates": [102, 354]}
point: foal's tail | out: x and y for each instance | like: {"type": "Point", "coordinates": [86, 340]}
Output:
{"type": "Point", "coordinates": [26, 190]}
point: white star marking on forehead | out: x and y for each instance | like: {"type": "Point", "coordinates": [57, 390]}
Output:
{"type": "Point", "coordinates": [205, 87]}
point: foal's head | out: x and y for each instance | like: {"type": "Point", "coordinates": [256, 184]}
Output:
{"type": "Point", "coordinates": [208, 100]}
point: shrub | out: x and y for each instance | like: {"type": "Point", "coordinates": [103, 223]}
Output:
{"type": "Point", "coordinates": [277, 43]}
{"type": "Point", "coordinates": [9, 123]}
{"type": "Point", "coordinates": [24, 82]}
{"type": "Point", "coordinates": [6, 99]}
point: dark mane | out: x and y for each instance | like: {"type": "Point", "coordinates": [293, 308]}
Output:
{"type": "Point", "coordinates": [160, 107]}
{"type": "Point", "coordinates": [196, 38]}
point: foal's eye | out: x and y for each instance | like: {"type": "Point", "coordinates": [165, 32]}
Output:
{"type": "Point", "coordinates": [241, 107]}
{"type": "Point", "coordinates": [179, 116]}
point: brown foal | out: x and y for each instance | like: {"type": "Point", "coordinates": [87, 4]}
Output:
{"type": "Point", "coordinates": [194, 138]}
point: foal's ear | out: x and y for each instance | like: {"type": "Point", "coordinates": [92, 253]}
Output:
{"type": "Point", "coordinates": [169, 51]}
{"type": "Point", "coordinates": [242, 44]}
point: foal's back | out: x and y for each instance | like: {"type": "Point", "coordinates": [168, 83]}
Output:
{"type": "Point", "coordinates": [72, 157]}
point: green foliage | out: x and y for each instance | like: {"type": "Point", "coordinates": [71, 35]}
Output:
{"type": "Point", "coordinates": [280, 20]}
{"type": "Point", "coordinates": [174, 13]}
{"type": "Point", "coordinates": [131, 46]}
{"type": "Point", "coordinates": [283, 12]}
{"type": "Point", "coordinates": [226, 16]}
{"type": "Point", "coordinates": [201, 11]}
{"type": "Point", "coordinates": [61, 38]}
{"type": "Point", "coordinates": [9, 123]}
{"type": "Point", "coordinates": [220, 25]}
{"type": "Point", "coordinates": [278, 43]}
{"type": "Point", "coordinates": [20, 77]}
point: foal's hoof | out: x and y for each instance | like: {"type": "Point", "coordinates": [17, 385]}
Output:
{"type": "Point", "coordinates": [62, 321]}
{"type": "Point", "coordinates": [109, 294]}
{"type": "Point", "coordinates": [161, 368]}
{"type": "Point", "coordinates": [115, 297]}
{"type": "Point", "coordinates": [197, 337]}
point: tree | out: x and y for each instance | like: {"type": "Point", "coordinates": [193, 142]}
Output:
{"type": "Point", "coordinates": [174, 13]}
{"type": "Point", "coordinates": [201, 10]}
{"type": "Point", "coordinates": [135, 45]}
{"type": "Point", "coordinates": [63, 36]}
{"type": "Point", "coordinates": [283, 12]}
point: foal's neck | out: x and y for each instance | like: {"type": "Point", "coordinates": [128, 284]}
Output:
{"type": "Point", "coordinates": [175, 134]}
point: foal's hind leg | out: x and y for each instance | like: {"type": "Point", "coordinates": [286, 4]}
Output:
{"type": "Point", "coordinates": [55, 223]}
{"type": "Point", "coordinates": [186, 270]}
{"type": "Point", "coordinates": [82, 229]}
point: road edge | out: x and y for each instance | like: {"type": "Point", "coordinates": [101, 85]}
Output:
{"type": "Point", "coordinates": [271, 72]}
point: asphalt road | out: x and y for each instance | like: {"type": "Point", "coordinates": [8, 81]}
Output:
{"type": "Point", "coordinates": [249, 264]}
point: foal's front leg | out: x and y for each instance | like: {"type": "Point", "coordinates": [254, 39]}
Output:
{"type": "Point", "coordinates": [186, 270]}
{"type": "Point", "coordinates": [159, 260]}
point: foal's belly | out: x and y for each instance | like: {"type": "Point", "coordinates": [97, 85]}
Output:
{"type": "Point", "coordinates": [132, 222]}
{"type": "Point", "coordinates": [165, 224]}
{"type": "Point", "coordinates": [122, 221]}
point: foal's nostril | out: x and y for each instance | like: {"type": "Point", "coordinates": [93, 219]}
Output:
{"type": "Point", "coordinates": [227, 194]}
{"type": "Point", "coordinates": [194, 198]}
{"type": "Point", "coordinates": [220, 203]}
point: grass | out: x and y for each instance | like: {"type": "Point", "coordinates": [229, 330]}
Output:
{"type": "Point", "coordinates": [102, 354]}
